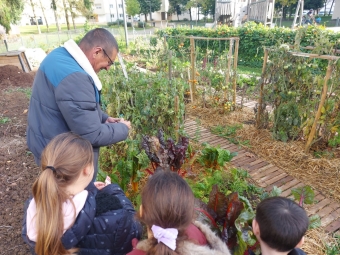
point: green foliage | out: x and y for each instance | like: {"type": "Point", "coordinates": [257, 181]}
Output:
{"type": "Point", "coordinates": [334, 249]}
{"type": "Point", "coordinates": [253, 38]}
{"type": "Point", "coordinates": [132, 7]}
{"type": "Point", "coordinates": [305, 195]}
{"type": "Point", "coordinates": [147, 6]}
{"type": "Point", "coordinates": [124, 164]}
{"type": "Point", "coordinates": [287, 122]}
{"type": "Point", "coordinates": [229, 132]}
{"type": "Point", "coordinates": [212, 157]}
{"type": "Point", "coordinates": [141, 24]}
{"type": "Point", "coordinates": [4, 120]}
{"type": "Point", "coordinates": [275, 192]}
{"type": "Point", "coordinates": [10, 12]}
{"type": "Point", "coordinates": [314, 221]}
{"type": "Point", "coordinates": [146, 99]}
{"type": "Point", "coordinates": [294, 85]}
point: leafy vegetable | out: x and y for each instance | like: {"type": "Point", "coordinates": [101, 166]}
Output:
{"type": "Point", "coordinates": [166, 155]}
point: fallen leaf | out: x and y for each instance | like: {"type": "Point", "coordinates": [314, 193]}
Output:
{"type": "Point", "coordinates": [250, 155]}
{"type": "Point", "coordinates": [25, 111]}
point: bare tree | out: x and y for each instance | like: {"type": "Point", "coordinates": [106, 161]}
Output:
{"type": "Point", "coordinates": [43, 11]}
{"type": "Point", "coordinates": [66, 15]}
{"type": "Point", "coordinates": [72, 5]}
{"type": "Point", "coordinates": [54, 7]}
{"type": "Point", "coordinates": [35, 16]}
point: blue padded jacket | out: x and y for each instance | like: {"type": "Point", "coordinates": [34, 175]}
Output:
{"type": "Point", "coordinates": [65, 98]}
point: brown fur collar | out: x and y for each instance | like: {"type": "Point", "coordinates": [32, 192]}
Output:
{"type": "Point", "coordinates": [189, 248]}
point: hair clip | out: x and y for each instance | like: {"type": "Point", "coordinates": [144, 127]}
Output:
{"type": "Point", "coordinates": [51, 167]}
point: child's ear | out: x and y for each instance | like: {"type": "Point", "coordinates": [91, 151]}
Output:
{"type": "Point", "coordinates": [299, 245]}
{"type": "Point", "coordinates": [87, 171]}
{"type": "Point", "coordinates": [256, 228]}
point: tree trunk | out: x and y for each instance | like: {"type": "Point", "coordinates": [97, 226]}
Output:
{"type": "Point", "coordinates": [66, 15]}
{"type": "Point", "coordinates": [146, 17]}
{"type": "Point", "coordinates": [54, 7]}
{"type": "Point", "coordinates": [35, 17]}
{"type": "Point", "coordinates": [198, 14]}
{"type": "Point", "coordinates": [284, 13]}
{"type": "Point", "coordinates": [190, 14]}
{"type": "Point", "coordinates": [330, 8]}
{"type": "Point", "coordinates": [73, 15]}
{"type": "Point", "coordinates": [43, 11]}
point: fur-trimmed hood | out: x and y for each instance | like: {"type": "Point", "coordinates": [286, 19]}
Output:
{"type": "Point", "coordinates": [217, 247]}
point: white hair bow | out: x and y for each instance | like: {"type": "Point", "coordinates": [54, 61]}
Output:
{"type": "Point", "coordinates": [167, 236]}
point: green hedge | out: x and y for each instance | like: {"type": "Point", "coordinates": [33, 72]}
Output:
{"type": "Point", "coordinates": [253, 38]}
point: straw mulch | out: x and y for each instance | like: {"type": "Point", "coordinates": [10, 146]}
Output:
{"type": "Point", "coordinates": [316, 241]}
{"type": "Point", "coordinates": [321, 174]}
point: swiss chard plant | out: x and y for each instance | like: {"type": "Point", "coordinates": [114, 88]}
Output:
{"type": "Point", "coordinates": [166, 155]}
{"type": "Point", "coordinates": [214, 157]}
{"type": "Point", "coordinates": [305, 195]}
{"type": "Point", "coordinates": [230, 216]}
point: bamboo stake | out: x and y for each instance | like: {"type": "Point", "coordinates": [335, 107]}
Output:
{"type": "Point", "coordinates": [259, 107]}
{"type": "Point", "coordinates": [170, 65]}
{"type": "Point", "coordinates": [318, 113]}
{"type": "Point", "coordinates": [193, 69]}
{"type": "Point", "coordinates": [177, 120]}
{"type": "Point", "coordinates": [235, 70]}
{"type": "Point", "coordinates": [190, 88]}
{"type": "Point", "coordinates": [229, 64]}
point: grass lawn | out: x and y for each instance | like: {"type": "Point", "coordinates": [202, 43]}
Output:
{"type": "Point", "coordinates": [29, 30]}
{"type": "Point", "coordinates": [325, 21]}
{"type": "Point", "coordinates": [249, 70]}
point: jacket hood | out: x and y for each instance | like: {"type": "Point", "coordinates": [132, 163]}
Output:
{"type": "Point", "coordinates": [217, 247]}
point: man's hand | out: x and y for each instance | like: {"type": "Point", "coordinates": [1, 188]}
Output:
{"type": "Point", "coordinates": [126, 122]}
{"type": "Point", "coordinates": [112, 120]}
{"type": "Point", "coordinates": [117, 120]}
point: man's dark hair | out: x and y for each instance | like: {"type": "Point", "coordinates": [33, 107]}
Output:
{"type": "Point", "coordinates": [282, 223]}
{"type": "Point", "coordinates": [99, 37]}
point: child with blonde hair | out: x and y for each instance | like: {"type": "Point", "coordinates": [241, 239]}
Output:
{"type": "Point", "coordinates": [68, 213]}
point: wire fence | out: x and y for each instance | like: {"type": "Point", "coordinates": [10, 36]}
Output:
{"type": "Point", "coordinates": [52, 40]}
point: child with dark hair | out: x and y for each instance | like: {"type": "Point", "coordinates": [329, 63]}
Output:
{"type": "Point", "coordinates": [168, 210]}
{"type": "Point", "coordinates": [280, 225]}
{"type": "Point", "coordinates": [68, 214]}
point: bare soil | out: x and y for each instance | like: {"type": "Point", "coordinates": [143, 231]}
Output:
{"type": "Point", "coordinates": [17, 167]}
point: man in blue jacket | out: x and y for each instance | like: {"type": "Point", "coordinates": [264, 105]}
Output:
{"type": "Point", "coordinates": [66, 95]}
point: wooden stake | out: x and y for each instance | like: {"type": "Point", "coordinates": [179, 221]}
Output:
{"type": "Point", "coordinates": [259, 107]}
{"type": "Point", "coordinates": [318, 113]}
{"type": "Point", "coordinates": [193, 69]}
{"type": "Point", "coordinates": [235, 70]}
{"type": "Point", "coordinates": [177, 120]}
{"type": "Point", "coordinates": [170, 65]}
{"type": "Point", "coordinates": [190, 88]}
{"type": "Point", "coordinates": [229, 64]}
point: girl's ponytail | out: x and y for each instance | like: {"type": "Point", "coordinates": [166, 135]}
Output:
{"type": "Point", "coordinates": [62, 162]}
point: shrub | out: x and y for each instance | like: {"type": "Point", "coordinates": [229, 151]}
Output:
{"type": "Point", "coordinates": [141, 24]}
{"type": "Point", "coordinates": [253, 38]}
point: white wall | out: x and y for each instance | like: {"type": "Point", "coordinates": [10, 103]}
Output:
{"type": "Point", "coordinates": [336, 11]}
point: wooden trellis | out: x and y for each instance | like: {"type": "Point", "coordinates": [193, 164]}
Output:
{"type": "Point", "coordinates": [323, 93]}
{"type": "Point", "coordinates": [231, 63]}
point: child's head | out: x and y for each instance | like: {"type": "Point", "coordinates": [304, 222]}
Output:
{"type": "Point", "coordinates": [67, 166]}
{"type": "Point", "coordinates": [64, 158]}
{"type": "Point", "coordinates": [167, 202]}
{"type": "Point", "coordinates": [280, 223]}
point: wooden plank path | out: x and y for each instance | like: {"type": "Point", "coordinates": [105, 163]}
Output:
{"type": "Point", "coordinates": [267, 175]}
